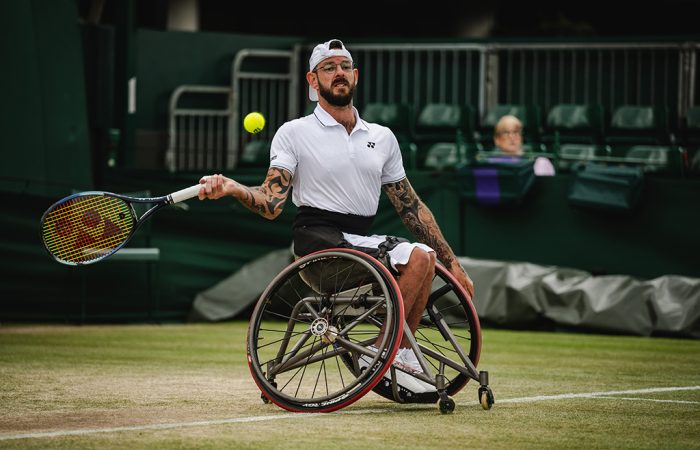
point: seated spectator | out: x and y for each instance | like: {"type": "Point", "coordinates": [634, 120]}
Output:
{"type": "Point", "coordinates": [695, 162]}
{"type": "Point", "coordinates": [508, 139]}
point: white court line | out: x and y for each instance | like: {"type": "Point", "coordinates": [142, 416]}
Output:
{"type": "Point", "coordinates": [596, 394]}
{"type": "Point", "coordinates": [288, 415]}
{"type": "Point", "coordinates": [640, 399]}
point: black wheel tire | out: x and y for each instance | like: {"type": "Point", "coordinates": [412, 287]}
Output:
{"type": "Point", "coordinates": [447, 406]}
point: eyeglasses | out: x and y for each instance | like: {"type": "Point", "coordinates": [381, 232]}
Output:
{"type": "Point", "coordinates": [329, 68]}
{"type": "Point", "coordinates": [512, 133]}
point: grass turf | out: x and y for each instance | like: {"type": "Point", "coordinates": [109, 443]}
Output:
{"type": "Point", "coordinates": [60, 378]}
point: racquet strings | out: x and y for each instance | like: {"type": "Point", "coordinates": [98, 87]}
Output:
{"type": "Point", "coordinates": [87, 227]}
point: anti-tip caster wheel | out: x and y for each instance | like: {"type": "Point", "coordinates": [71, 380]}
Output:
{"type": "Point", "coordinates": [486, 397]}
{"type": "Point", "coordinates": [446, 405]}
{"type": "Point", "coordinates": [263, 397]}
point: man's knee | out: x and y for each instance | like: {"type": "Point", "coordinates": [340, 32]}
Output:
{"type": "Point", "coordinates": [433, 259]}
{"type": "Point", "coordinates": [421, 261]}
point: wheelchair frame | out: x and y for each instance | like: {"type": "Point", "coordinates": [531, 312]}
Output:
{"type": "Point", "coordinates": [335, 304]}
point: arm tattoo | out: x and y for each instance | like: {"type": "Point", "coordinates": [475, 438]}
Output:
{"type": "Point", "coordinates": [418, 219]}
{"type": "Point", "coordinates": [268, 199]}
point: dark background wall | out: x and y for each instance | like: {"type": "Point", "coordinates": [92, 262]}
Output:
{"type": "Point", "coordinates": [44, 126]}
{"type": "Point", "coordinates": [448, 19]}
{"type": "Point", "coordinates": [60, 81]}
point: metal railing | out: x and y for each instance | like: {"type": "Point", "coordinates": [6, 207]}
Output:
{"type": "Point", "coordinates": [206, 137]}
{"type": "Point", "coordinates": [418, 74]}
{"type": "Point", "coordinates": [479, 75]}
{"type": "Point", "coordinates": [606, 74]}
{"type": "Point", "coordinates": [271, 91]}
{"type": "Point", "coordinates": [198, 138]}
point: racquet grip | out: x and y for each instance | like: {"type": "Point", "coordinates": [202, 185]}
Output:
{"type": "Point", "coordinates": [186, 194]}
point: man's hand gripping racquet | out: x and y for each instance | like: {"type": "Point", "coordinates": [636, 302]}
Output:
{"type": "Point", "coordinates": [87, 227]}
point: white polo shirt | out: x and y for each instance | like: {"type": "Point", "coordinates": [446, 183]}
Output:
{"type": "Point", "coordinates": [334, 170]}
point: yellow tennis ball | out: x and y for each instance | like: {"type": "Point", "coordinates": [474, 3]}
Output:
{"type": "Point", "coordinates": [254, 122]}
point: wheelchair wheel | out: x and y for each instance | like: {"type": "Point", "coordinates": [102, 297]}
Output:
{"type": "Point", "coordinates": [448, 335]}
{"type": "Point", "coordinates": [310, 333]}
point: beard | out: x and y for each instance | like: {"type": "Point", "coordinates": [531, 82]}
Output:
{"type": "Point", "coordinates": [337, 99]}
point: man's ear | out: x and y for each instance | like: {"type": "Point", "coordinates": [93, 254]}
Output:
{"type": "Point", "coordinates": [312, 80]}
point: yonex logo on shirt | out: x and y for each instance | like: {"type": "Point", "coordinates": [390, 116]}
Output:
{"type": "Point", "coordinates": [370, 144]}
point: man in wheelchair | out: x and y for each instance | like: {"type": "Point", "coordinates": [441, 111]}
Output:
{"type": "Point", "coordinates": [337, 164]}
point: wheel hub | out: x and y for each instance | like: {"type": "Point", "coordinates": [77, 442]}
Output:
{"type": "Point", "coordinates": [319, 326]}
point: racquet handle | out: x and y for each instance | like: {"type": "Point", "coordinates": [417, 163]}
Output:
{"type": "Point", "coordinates": [185, 194]}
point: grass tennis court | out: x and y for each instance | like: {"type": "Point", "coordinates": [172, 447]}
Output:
{"type": "Point", "coordinates": [188, 386]}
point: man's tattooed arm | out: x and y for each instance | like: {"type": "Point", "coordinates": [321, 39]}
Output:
{"type": "Point", "coordinates": [267, 199]}
{"type": "Point", "coordinates": [419, 220]}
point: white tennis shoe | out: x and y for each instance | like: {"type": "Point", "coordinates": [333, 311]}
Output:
{"type": "Point", "coordinates": [407, 362]}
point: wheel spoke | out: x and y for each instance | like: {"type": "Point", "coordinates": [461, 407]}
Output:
{"type": "Point", "coordinates": [267, 344]}
{"type": "Point", "coordinates": [304, 368]}
{"type": "Point", "coordinates": [282, 316]}
{"type": "Point", "coordinates": [340, 372]}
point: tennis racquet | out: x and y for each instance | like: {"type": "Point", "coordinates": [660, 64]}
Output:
{"type": "Point", "coordinates": [87, 227]}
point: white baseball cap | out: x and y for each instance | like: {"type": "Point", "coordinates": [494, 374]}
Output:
{"type": "Point", "coordinates": [329, 49]}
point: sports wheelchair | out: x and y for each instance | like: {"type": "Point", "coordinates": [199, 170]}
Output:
{"type": "Point", "coordinates": [325, 332]}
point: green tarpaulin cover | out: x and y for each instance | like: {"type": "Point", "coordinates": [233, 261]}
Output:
{"type": "Point", "coordinates": [516, 294]}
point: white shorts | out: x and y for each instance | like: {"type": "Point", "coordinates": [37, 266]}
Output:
{"type": "Point", "coordinates": [398, 255]}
